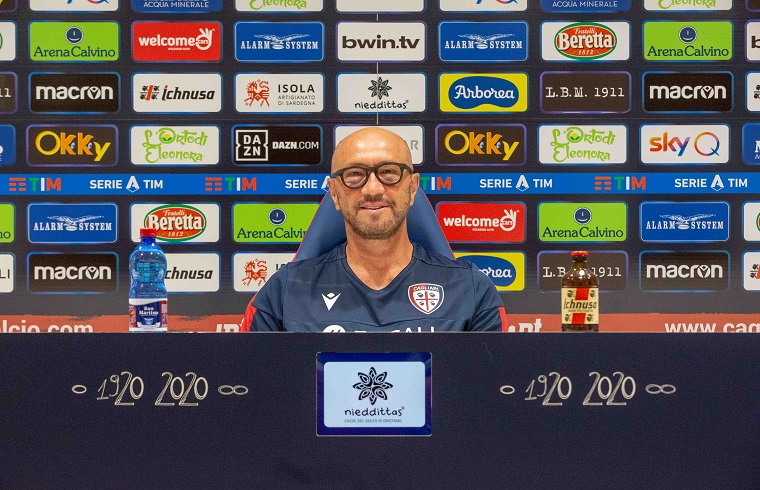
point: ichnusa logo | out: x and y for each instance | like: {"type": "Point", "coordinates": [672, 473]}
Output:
{"type": "Point", "coordinates": [72, 223]}
{"type": "Point", "coordinates": [685, 144]}
{"type": "Point", "coordinates": [176, 223]}
{"type": "Point", "coordinates": [483, 41]}
{"type": "Point", "coordinates": [73, 41]}
{"type": "Point", "coordinates": [590, 222]}
{"type": "Point", "coordinates": [176, 41]}
{"type": "Point", "coordinates": [279, 42]}
{"type": "Point", "coordinates": [483, 93]}
{"type": "Point", "coordinates": [585, 41]}
{"type": "Point", "coordinates": [75, 145]}
{"type": "Point", "coordinates": [74, 92]}
{"type": "Point", "coordinates": [7, 41]}
{"type": "Point", "coordinates": [271, 223]}
{"type": "Point", "coordinates": [278, 6]}
{"type": "Point", "coordinates": [385, 93]}
{"type": "Point", "coordinates": [74, 5]}
{"type": "Point", "coordinates": [174, 145]}
{"type": "Point", "coordinates": [177, 92]}
{"type": "Point", "coordinates": [176, 6]}
{"type": "Point", "coordinates": [684, 222]}
{"type": "Point", "coordinates": [505, 269]}
{"type": "Point", "coordinates": [688, 41]}
{"type": "Point", "coordinates": [603, 144]}
{"type": "Point", "coordinates": [192, 272]}
{"type": "Point", "coordinates": [279, 92]}
{"type": "Point", "coordinates": [381, 41]}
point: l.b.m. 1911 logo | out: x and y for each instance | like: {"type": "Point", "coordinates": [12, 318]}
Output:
{"type": "Point", "coordinates": [585, 92]}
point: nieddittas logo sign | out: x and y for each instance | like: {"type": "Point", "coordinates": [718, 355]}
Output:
{"type": "Point", "coordinates": [176, 6]}
{"type": "Point", "coordinates": [174, 145]}
{"type": "Point", "coordinates": [583, 144]}
{"type": "Point", "coordinates": [487, 92]}
{"type": "Point", "coordinates": [72, 145]}
{"type": "Point", "coordinates": [482, 222]}
{"type": "Point", "coordinates": [73, 41]}
{"type": "Point", "coordinates": [688, 41]}
{"type": "Point", "coordinates": [176, 41]}
{"type": "Point", "coordinates": [277, 145]}
{"type": "Point", "coordinates": [177, 223]}
{"type": "Point", "coordinates": [496, 144]}
{"type": "Point", "coordinates": [585, 41]}
{"type": "Point", "coordinates": [279, 42]}
{"type": "Point", "coordinates": [684, 222]}
{"type": "Point", "coordinates": [483, 41]}
{"type": "Point", "coordinates": [383, 93]}
{"type": "Point", "coordinates": [688, 92]}
{"type": "Point", "coordinates": [278, 6]}
{"type": "Point", "coordinates": [7, 41]}
{"type": "Point", "coordinates": [271, 223]}
{"type": "Point", "coordinates": [177, 92]}
{"type": "Point", "coordinates": [582, 222]}
{"type": "Point", "coordinates": [8, 93]}
{"type": "Point", "coordinates": [74, 5]}
{"type": "Point", "coordinates": [74, 92]}
{"type": "Point", "coordinates": [76, 273]}
{"type": "Point", "coordinates": [72, 223]}
{"type": "Point", "coordinates": [505, 269]}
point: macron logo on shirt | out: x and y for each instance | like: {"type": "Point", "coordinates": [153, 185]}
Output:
{"type": "Point", "coordinates": [330, 299]}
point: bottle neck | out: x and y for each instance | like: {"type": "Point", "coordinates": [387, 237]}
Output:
{"type": "Point", "coordinates": [579, 262]}
{"type": "Point", "coordinates": [148, 240]}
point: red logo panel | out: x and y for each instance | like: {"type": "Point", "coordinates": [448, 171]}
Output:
{"type": "Point", "coordinates": [176, 41]}
{"type": "Point", "coordinates": [482, 222]}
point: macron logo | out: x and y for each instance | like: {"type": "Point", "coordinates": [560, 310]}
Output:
{"type": "Point", "coordinates": [330, 299]}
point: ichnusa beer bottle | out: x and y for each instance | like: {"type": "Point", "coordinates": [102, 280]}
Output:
{"type": "Point", "coordinates": [580, 296]}
{"type": "Point", "coordinates": [147, 295]}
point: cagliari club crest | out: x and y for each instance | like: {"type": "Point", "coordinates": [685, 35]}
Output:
{"type": "Point", "coordinates": [426, 297]}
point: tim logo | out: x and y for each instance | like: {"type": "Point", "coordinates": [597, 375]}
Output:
{"type": "Point", "coordinates": [618, 183]}
{"type": "Point", "coordinates": [373, 386]}
{"type": "Point", "coordinates": [74, 92]}
{"type": "Point", "coordinates": [279, 42]}
{"type": "Point", "coordinates": [176, 41]}
{"type": "Point", "coordinates": [426, 297]}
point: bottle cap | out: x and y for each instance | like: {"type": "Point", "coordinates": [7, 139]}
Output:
{"type": "Point", "coordinates": [148, 232]}
{"type": "Point", "coordinates": [579, 253]}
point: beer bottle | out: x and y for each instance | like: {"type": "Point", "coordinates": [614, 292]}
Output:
{"type": "Point", "coordinates": [580, 296]}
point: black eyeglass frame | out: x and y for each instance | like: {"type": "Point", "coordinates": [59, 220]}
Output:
{"type": "Point", "coordinates": [372, 170]}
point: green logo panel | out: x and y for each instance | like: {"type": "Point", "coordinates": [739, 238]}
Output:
{"type": "Point", "coordinates": [7, 222]}
{"type": "Point", "coordinates": [582, 221]}
{"type": "Point", "coordinates": [688, 41]}
{"type": "Point", "coordinates": [271, 223]}
{"type": "Point", "coordinates": [73, 41]}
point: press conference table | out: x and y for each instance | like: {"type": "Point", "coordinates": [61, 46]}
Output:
{"type": "Point", "coordinates": [508, 411]}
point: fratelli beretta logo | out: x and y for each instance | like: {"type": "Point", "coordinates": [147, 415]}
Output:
{"type": "Point", "coordinates": [279, 42]}
{"type": "Point", "coordinates": [688, 41]}
{"type": "Point", "coordinates": [177, 223]}
{"type": "Point", "coordinates": [271, 223]}
{"type": "Point", "coordinates": [483, 41]}
{"type": "Point", "coordinates": [72, 223]}
{"type": "Point", "coordinates": [491, 92]}
{"type": "Point", "coordinates": [73, 41]}
{"type": "Point", "coordinates": [585, 41]}
{"type": "Point", "coordinates": [582, 222]}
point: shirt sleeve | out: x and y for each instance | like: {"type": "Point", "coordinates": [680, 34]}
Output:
{"type": "Point", "coordinates": [489, 314]}
{"type": "Point", "coordinates": [265, 311]}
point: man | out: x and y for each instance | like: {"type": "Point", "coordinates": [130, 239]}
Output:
{"type": "Point", "coordinates": [378, 281]}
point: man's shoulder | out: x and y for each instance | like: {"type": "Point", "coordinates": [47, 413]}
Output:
{"type": "Point", "coordinates": [435, 259]}
{"type": "Point", "coordinates": [333, 256]}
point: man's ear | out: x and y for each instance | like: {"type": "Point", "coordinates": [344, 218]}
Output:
{"type": "Point", "coordinates": [332, 188]}
{"type": "Point", "coordinates": [415, 186]}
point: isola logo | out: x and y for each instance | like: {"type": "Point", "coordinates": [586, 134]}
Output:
{"type": "Point", "coordinates": [499, 270]}
{"type": "Point", "coordinates": [474, 91]}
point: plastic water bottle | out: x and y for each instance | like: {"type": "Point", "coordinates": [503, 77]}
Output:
{"type": "Point", "coordinates": [147, 296]}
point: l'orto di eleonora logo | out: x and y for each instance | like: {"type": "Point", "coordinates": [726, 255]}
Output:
{"type": "Point", "coordinates": [373, 386]}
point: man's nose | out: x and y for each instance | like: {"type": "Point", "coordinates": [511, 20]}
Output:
{"type": "Point", "coordinates": [373, 186]}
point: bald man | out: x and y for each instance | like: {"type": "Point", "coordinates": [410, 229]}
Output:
{"type": "Point", "coordinates": [378, 280]}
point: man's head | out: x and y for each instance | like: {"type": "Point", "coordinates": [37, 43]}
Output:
{"type": "Point", "coordinates": [374, 210]}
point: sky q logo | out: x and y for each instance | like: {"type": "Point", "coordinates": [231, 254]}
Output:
{"type": "Point", "coordinates": [53, 273]}
{"type": "Point", "coordinates": [74, 92]}
{"type": "Point", "coordinates": [381, 93]}
{"type": "Point", "coordinates": [8, 93]}
{"type": "Point", "coordinates": [585, 41]}
{"type": "Point", "coordinates": [684, 271]}
{"type": "Point", "coordinates": [250, 270]}
{"type": "Point", "coordinates": [192, 272]}
{"type": "Point", "coordinates": [277, 145]}
{"type": "Point", "coordinates": [280, 42]}
{"type": "Point", "coordinates": [176, 7]}
{"type": "Point", "coordinates": [483, 41]}
{"type": "Point", "coordinates": [174, 145]}
{"type": "Point", "coordinates": [498, 144]}
{"type": "Point", "coordinates": [7, 144]}
{"type": "Point", "coordinates": [505, 269]}
{"type": "Point", "coordinates": [279, 92]}
{"type": "Point", "coordinates": [381, 41]}
{"type": "Point", "coordinates": [585, 92]}
{"type": "Point", "coordinates": [176, 223]}
{"type": "Point", "coordinates": [684, 222]}
{"type": "Point", "coordinates": [688, 92]}
{"type": "Point", "coordinates": [278, 6]}
{"type": "Point", "coordinates": [482, 222]}
{"type": "Point", "coordinates": [582, 222]}
{"type": "Point", "coordinates": [7, 223]}
{"type": "Point", "coordinates": [484, 5]}
{"type": "Point", "coordinates": [7, 41]}
{"type": "Point", "coordinates": [75, 145]}
{"type": "Point", "coordinates": [684, 144]}
{"type": "Point", "coordinates": [494, 92]}
{"type": "Point", "coordinates": [64, 41]}
{"type": "Point", "coordinates": [176, 41]}
{"type": "Point", "coordinates": [585, 6]}
{"type": "Point", "coordinates": [271, 223]}
{"type": "Point", "coordinates": [582, 144]}
{"type": "Point", "coordinates": [54, 223]}
{"type": "Point", "coordinates": [74, 5]}
{"type": "Point", "coordinates": [689, 5]}
{"type": "Point", "coordinates": [177, 92]}
{"type": "Point", "coordinates": [688, 41]}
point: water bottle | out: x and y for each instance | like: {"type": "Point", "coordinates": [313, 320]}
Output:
{"type": "Point", "coordinates": [147, 296]}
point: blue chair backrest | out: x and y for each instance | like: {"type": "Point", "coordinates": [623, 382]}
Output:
{"type": "Point", "coordinates": [328, 230]}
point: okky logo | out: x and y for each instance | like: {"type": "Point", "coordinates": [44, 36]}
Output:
{"type": "Point", "coordinates": [78, 145]}
{"type": "Point", "coordinates": [473, 145]}
{"type": "Point", "coordinates": [685, 144]}
{"type": "Point", "coordinates": [176, 41]}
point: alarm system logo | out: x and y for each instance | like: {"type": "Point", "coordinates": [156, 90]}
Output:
{"type": "Point", "coordinates": [74, 145]}
{"type": "Point", "coordinates": [281, 42]}
{"type": "Point", "coordinates": [74, 92]}
{"type": "Point", "coordinates": [73, 42]}
{"type": "Point", "coordinates": [585, 41]}
{"type": "Point", "coordinates": [177, 223]}
{"type": "Point", "coordinates": [177, 92]}
{"type": "Point", "coordinates": [7, 41]}
{"type": "Point", "coordinates": [176, 41]}
{"type": "Point", "coordinates": [684, 222]}
{"type": "Point", "coordinates": [8, 93]}
{"type": "Point", "coordinates": [72, 223]}
{"type": "Point", "coordinates": [278, 6]}
{"type": "Point", "coordinates": [483, 41]}
{"type": "Point", "coordinates": [174, 145]}
{"type": "Point", "coordinates": [277, 145]}
{"type": "Point", "coordinates": [279, 92]}
{"type": "Point", "coordinates": [52, 273]}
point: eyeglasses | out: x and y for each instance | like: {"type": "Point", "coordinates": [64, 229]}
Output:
{"type": "Point", "coordinates": [388, 173]}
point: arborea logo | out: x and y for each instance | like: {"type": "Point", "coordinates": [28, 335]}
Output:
{"type": "Point", "coordinates": [373, 386]}
{"type": "Point", "coordinates": [177, 41]}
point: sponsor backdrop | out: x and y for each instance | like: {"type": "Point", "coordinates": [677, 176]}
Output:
{"type": "Point", "coordinates": [625, 127]}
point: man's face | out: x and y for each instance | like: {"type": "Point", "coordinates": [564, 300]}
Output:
{"type": "Point", "coordinates": [374, 211]}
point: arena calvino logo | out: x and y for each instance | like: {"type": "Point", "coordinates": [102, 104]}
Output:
{"type": "Point", "coordinates": [176, 41]}
{"type": "Point", "coordinates": [73, 41]}
{"type": "Point", "coordinates": [74, 92]}
{"type": "Point", "coordinates": [51, 273]}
